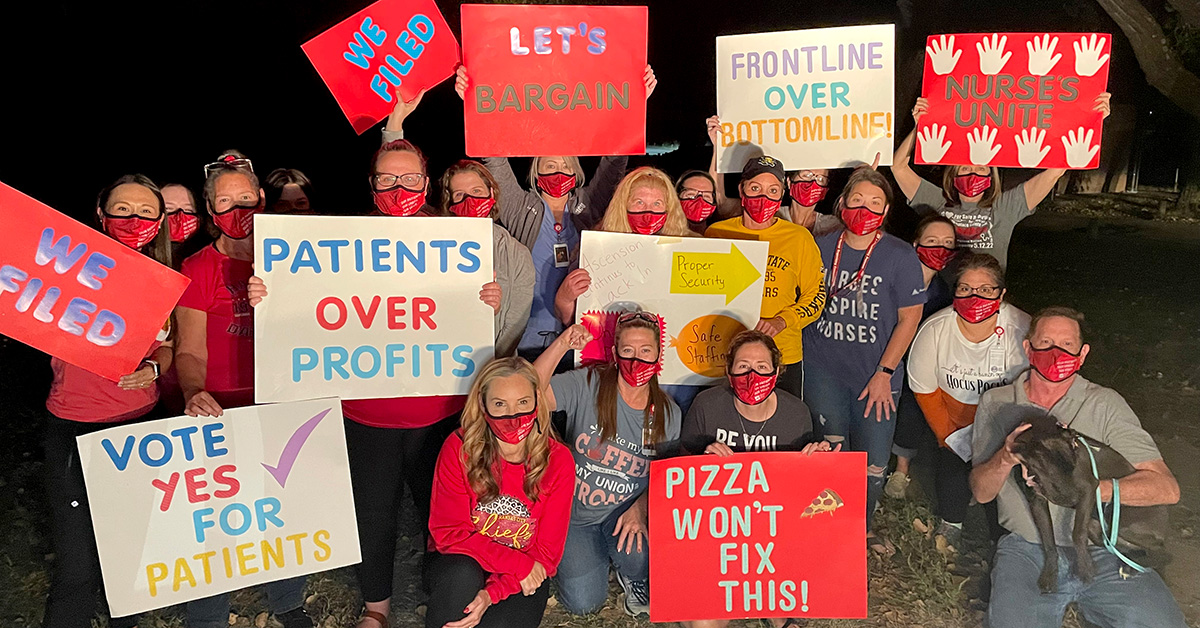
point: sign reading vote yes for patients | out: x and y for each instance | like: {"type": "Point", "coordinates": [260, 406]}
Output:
{"type": "Point", "coordinates": [190, 507]}
{"type": "Point", "coordinates": [819, 98]}
{"type": "Point", "coordinates": [391, 44]}
{"type": "Point", "coordinates": [370, 307]}
{"type": "Point", "coordinates": [762, 535]}
{"type": "Point", "coordinates": [77, 294]}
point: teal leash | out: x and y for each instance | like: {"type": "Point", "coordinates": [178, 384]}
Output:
{"type": "Point", "coordinates": [1109, 538]}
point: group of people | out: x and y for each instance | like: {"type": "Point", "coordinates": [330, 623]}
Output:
{"type": "Point", "coordinates": [865, 342]}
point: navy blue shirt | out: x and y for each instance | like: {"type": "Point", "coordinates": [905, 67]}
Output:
{"type": "Point", "coordinates": [544, 326]}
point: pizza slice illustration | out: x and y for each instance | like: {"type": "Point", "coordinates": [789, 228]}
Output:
{"type": "Point", "coordinates": [828, 501]}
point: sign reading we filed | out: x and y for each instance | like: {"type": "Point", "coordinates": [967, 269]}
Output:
{"type": "Point", "coordinates": [554, 80]}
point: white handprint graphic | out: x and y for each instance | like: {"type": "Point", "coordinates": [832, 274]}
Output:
{"type": "Point", "coordinates": [980, 141]}
{"type": "Point", "coordinates": [1030, 152]}
{"type": "Point", "coordinates": [991, 54]}
{"type": "Point", "coordinates": [1088, 59]}
{"type": "Point", "coordinates": [932, 146]}
{"type": "Point", "coordinates": [1078, 145]}
{"type": "Point", "coordinates": [943, 55]}
{"type": "Point", "coordinates": [1042, 57]}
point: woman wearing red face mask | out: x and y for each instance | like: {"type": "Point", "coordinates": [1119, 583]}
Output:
{"type": "Point", "coordinates": [697, 192]}
{"type": "Point", "coordinates": [183, 217]}
{"type": "Point", "coordinates": [131, 212]}
{"type": "Point", "coordinates": [984, 215]}
{"type": "Point", "coordinates": [958, 354]}
{"type": "Point", "coordinates": [500, 508]}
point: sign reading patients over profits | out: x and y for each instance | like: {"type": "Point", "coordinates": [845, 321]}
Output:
{"type": "Point", "coordinates": [76, 293]}
{"type": "Point", "coordinates": [705, 290]}
{"type": "Point", "coordinates": [761, 534]}
{"type": "Point", "coordinates": [1013, 100]}
{"type": "Point", "coordinates": [370, 307]}
{"type": "Point", "coordinates": [817, 98]}
{"type": "Point", "coordinates": [391, 44]}
{"type": "Point", "coordinates": [554, 80]}
{"type": "Point", "coordinates": [190, 507]}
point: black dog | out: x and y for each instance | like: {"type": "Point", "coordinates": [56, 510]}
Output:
{"type": "Point", "coordinates": [1058, 469]}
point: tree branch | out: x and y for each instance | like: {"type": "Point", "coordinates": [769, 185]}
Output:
{"type": "Point", "coordinates": [1188, 10]}
{"type": "Point", "coordinates": [1163, 70]}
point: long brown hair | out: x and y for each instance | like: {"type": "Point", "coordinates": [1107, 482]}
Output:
{"type": "Point", "coordinates": [481, 452]}
{"type": "Point", "coordinates": [469, 165]}
{"type": "Point", "coordinates": [608, 392]}
{"type": "Point", "coordinates": [951, 194]}
{"type": "Point", "coordinates": [616, 218]}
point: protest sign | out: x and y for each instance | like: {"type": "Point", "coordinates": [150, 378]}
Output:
{"type": "Point", "coordinates": [818, 98]}
{"type": "Point", "coordinates": [758, 535]}
{"type": "Point", "coordinates": [554, 80]}
{"type": "Point", "coordinates": [370, 307]}
{"type": "Point", "coordinates": [1013, 100]}
{"type": "Point", "coordinates": [76, 293]}
{"type": "Point", "coordinates": [705, 290]}
{"type": "Point", "coordinates": [190, 507]}
{"type": "Point", "coordinates": [392, 43]}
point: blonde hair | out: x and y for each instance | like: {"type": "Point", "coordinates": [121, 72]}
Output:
{"type": "Point", "coordinates": [573, 162]}
{"type": "Point", "coordinates": [616, 219]}
{"type": "Point", "coordinates": [481, 453]}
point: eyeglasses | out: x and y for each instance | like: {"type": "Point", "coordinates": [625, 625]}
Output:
{"type": "Point", "coordinates": [808, 176]}
{"type": "Point", "coordinates": [632, 316]}
{"type": "Point", "coordinates": [229, 162]}
{"type": "Point", "coordinates": [382, 180]}
{"type": "Point", "coordinates": [987, 292]}
{"type": "Point", "coordinates": [690, 193]}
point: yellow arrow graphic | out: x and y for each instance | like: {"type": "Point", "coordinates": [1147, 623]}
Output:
{"type": "Point", "coordinates": [712, 273]}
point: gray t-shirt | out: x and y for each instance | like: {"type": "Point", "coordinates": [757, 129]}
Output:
{"type": "Point", "coordinates": [1095, 411]}
{"type": "Point", "coordinates": [980, 229]}
{"type": "Point", "coordinates": [607, 473]}
{"type": "Point", "coordinates": [714, 417]}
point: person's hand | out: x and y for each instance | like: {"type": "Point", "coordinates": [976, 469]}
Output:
{"type": "Point", "coordinates": [395, 121]}
{"type": "Point", "coordinates": [771, 326]}
{"type": "Point", "coordinates": [717, 448]}
{"type": "Point", "coordinates": [576, 283]}
{"type": "Point", "coordinates": [576, 337]}
{"type": "Point", "coordinates": [491, 293]}
{"type": "Point", "coordinates": [875, 164]}
{"type": "Point", "coordinates": [1010, 459]}
{"type": "Point", "coordinates": [1103, 104]}
{"type": "Point", "coordinates": [530, 584]}
{"type": "Point", "coordinates": [141, 378]}
{"type": "Point", "coordinates": [460, 82]}
{"type": "Point", "coordinates": [650, 81]}
{"type": "Point", "coordinates": [256, 290]}
{"type": "Point", "coordinates": [920, 109]}
{"type": "Point", "coordinates": [821, 445]}
{"type": "Point", "coordinates": [713, 124]}
{"type": "Point", "coordinates": [202, 404]}
{"type": "Point", "coordinates": [474, 611]}
{"type": "Point", "coordinates": [631, 528]}
{"type": "Point", "coordinates": [878, 394]}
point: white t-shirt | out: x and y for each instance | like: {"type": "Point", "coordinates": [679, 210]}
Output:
{"type": "Point", "coordinates": [941, 357]}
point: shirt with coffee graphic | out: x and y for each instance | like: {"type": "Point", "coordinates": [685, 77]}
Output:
{"type": "Point", "coordinates": [980, 229]}
{"type": "Point", "coordinates": [607, 473]}
{"type": "Point", "coordinates": [714, 417]}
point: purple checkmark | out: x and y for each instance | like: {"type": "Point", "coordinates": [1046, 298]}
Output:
{"type": "Point", "coordinates": [292, 449]}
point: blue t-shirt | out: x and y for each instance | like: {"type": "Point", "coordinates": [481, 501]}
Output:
{"type": "Point", "coordinates": [938, 296]}
{"type": "Point", "coordinates": [549, 278]}
{"type": "Point", "coordinates": [849, 339]}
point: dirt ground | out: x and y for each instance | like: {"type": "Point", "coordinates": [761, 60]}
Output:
{"type": "Point", "coordinates": [1135, 279]}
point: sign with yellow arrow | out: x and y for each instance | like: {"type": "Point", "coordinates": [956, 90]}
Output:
{"type": "Point", "coordinates": [727, 274]}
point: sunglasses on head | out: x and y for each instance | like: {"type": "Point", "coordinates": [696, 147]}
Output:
{"type": "Point", "coordinates": [632, 316]}
{"type": "Point", "coordinates": [229, 162]}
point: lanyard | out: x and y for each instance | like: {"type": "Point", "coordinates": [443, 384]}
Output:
{"type": "Point", "coordinates": [1110, 539]}
{"type": "Point", "coordinates": [862, 267]}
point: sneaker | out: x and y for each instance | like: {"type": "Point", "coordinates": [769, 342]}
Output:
{"type": "Point", "coordinates": [897, 484]}
{"type": "Point", "coordinates": [295, 618]}
{"type": "Point", "coordinates": [637, 595]}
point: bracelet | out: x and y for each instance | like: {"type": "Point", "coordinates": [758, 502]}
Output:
{"type": "Point", "coordinates": [153, 364]}
{"type": "Point", "coordinates": [883, 369]}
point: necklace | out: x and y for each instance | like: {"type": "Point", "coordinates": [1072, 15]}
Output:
{"type": "Point", "coordinates": [742, 422]}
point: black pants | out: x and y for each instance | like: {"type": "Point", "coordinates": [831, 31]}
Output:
{"type": "Point", "coordinates": [453, 581]}
{"type": "Point", "coordinates": [75, 577]}
{"type": "Point", "coordinates": [950, 481]}
{"type": "Point", "coordinates": [912, 432]}
{"type": "Point", "coordinates": [792, 379]}
{"type": "Point", "coordinates": [382, 462]}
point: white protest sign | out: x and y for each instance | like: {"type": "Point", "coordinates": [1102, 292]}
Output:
{"type": "Point", "coordinates": [370, 307]}
{"type": "Point", "coordinates": [820, 98]}
{"type": "Point", "coordinates": [190, 507]}
{"type": "Point", "coordinates": [705, 290]}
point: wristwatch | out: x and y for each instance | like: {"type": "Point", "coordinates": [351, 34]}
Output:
{"type": "Point", "coordinates": [883, 369]}
{"type": "Point", "coordinates": [153, 364]}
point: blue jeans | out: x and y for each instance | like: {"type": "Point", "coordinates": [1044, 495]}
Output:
{"type": "Point", "coordinates": [839, 418]}
{"type": "Point", "coordinates": [1131, 600]}
{"type": "Point", "coordinates": [213, 612]}
{"type": "Point", "coordinates": [583, 572]}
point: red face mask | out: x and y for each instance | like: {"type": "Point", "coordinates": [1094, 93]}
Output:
{"type": "Point", "coordinates": [935, 257]}
{"type": "Point", "coordinates": [637, 372]}
{"type": "Point", "coordinates": [1054, 363]}
{"type": "Point", "coordinates": [558, 184]}
{"type": "Point", "coordinates": [975, 309]}
{"type": "Point", "coordinates": [132, 231]}
{"type": "Point", "coordinates": [182, 225]}
{"type": "Point", "coordinates": [807, 193]}
{"type": "Point", "coordinates": [860, 220]}
{"type": "Point", "coordinates": [399, 201]}
{"type": "Point", "coordinates": [752, 387]}
{"type": "Point", "coordinates": [513, 428]}
{"type": "Point", "coordinates": [473, 206]}
{"type": "Point", "coordinates": [647, 223]}
{"type": "Point", "coordinates": [697, 209]}
{"type": "Point", "coordinates": [238, 223]}
{"type": "Point", "coordinates": [761, 208]}
{"type": "Point", "coordinates": [972, 184]}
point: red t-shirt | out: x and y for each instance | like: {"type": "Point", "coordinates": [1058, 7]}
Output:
{"type": "Point", "coordinates": [218, 289]}
{"type": "Point", "coordinates": [509, 533]}
{"type": "Point", "coordinates": [79, 395]}
{"type": "Point", "coordinates": [408, 413]}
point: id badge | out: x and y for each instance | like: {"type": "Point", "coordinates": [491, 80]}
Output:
{"type": "Point", "coordinates": [648, 449]}
{"type": "Point", "coordinates": [562, 255]}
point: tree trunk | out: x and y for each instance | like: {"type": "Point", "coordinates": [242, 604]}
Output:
{"type": "Point", "coordinates": [1188, 10]}
{"type": "Point", "coordinates": [1109, 175]}
{"type": "Point", "coordinates": [1163, 70]}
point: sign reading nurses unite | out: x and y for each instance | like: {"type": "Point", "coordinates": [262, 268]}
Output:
{"type": "Point", "coordinates": [554, 80]}
{"type": "Point", "coordinates": [77, 294]}
{"type": "Point", "coordinates": [819, 98]}
{"type": "Point", "coordinates": [404, 44]}
{"type": "Point", "coordinates": [761, 535]}
{"type": "Point", "coordinates": [1013, 100]}
{"type": "Point", "coordinates": [370, 307]}
{"type": "Point", "coordinates": [190, 507]}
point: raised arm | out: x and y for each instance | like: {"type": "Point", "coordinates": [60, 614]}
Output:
{"type": "Point", "coordinates": [576, 337]}
{"type": "Point", "coordinates": [726, 207]}
{"type": "Point", "coordinates": [394, 129]}
{"type": "Point", "coordinates": [906, 178]}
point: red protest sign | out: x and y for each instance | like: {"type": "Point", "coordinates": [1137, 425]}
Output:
{"type": "Point", "coordinates": [390, 44]}
{"type": "Point", "coordinates": [758, 535]}
{"type": "Point", "coordinates": [554, 80]}
{"type": "Point", "coordinates": [1013, 100]}
{"type": "Point", "coordinates": [77, 294]}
